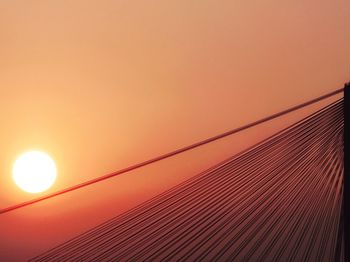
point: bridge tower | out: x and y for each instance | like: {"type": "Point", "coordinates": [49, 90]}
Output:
{"type": "Point", "coordinates": [346, 204]}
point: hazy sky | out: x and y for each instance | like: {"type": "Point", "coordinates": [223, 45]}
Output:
{"type": "Point", "coordinates": [103, 84]}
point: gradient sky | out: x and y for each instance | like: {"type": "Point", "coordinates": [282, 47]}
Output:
{"type": "Point", "coordinates": [100, 85]}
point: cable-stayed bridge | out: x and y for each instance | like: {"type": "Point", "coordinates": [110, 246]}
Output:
{"type": "Point", "coordinates": [280, 200]}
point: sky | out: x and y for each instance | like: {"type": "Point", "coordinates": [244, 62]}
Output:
{"type": "Point", "coordinates": [100, 85]}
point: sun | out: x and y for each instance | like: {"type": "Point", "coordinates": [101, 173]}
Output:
{"type": "Point", "coordinates": [34, 171]}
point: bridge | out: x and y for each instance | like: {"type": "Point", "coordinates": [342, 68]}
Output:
{"type": "Point", "coordinates": [283, 199]}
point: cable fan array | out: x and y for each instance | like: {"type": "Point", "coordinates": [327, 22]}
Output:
{"type": "Point", "coordinates": [280, 200]}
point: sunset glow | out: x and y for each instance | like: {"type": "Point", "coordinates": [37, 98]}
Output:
{"type": "Point", "coordinates": [90, 91]}
{"type": "Point", "coordinates": [34, 172]}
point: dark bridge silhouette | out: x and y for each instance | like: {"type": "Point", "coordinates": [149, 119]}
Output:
{"type": "Point", "coordinates": [284, 199]}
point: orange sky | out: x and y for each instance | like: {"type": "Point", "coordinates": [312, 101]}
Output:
{"type": "Point", "coordinates": [103, 84]}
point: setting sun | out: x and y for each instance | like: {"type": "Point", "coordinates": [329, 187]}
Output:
{"type": "Point", "coordinates": [34, 172]}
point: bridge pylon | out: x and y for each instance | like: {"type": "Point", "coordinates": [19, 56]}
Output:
{"type": "Point", "coordinates": [346, 204]}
